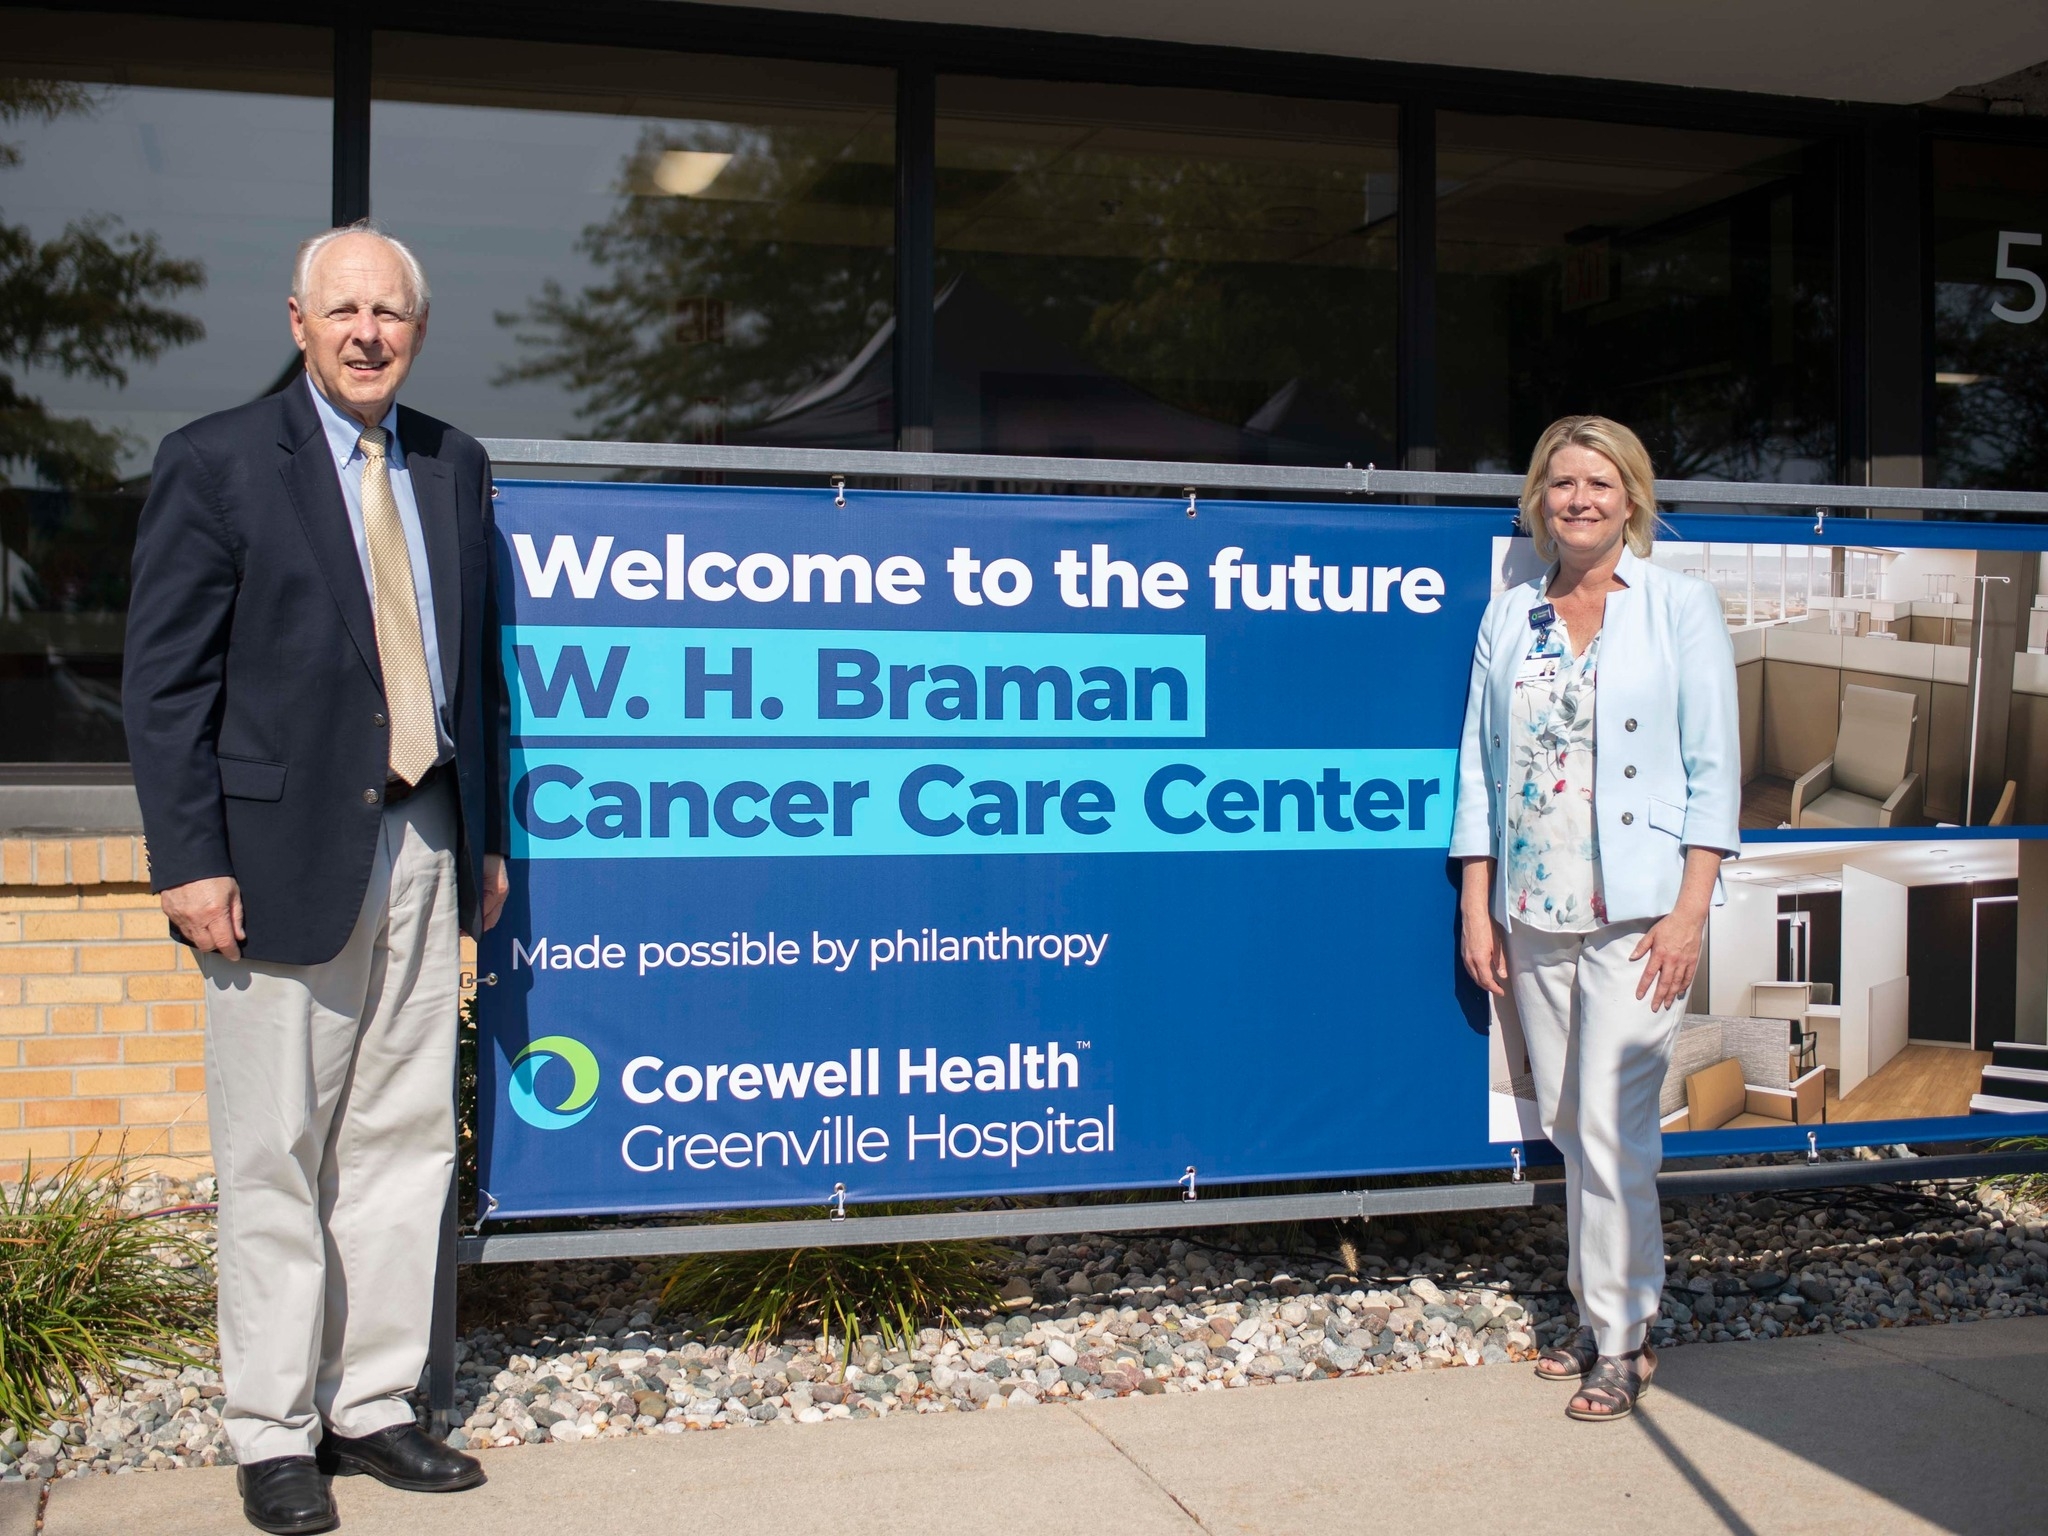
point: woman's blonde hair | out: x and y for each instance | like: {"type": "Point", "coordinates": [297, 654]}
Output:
{"type": "Point", "coordinates": [1621, 448]}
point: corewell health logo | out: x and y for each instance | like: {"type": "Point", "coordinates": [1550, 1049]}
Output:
{"type": "Point", "coordinates": [523, 1088]}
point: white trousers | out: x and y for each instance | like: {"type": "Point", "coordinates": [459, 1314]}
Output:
{"type": "Point", "coordinates": [1599, 1055]}
{"type": "Point", "coordinates": [331, 1094]}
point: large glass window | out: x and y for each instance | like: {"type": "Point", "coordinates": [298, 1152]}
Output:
{"type": "Point", "coordinates": [1990, 315]}
{"type": "Point", "coordinates": [1757, 583]}
{"type": "Point", "coordinates": [1159, 273]}
{"type": "Point", "coordinates": [647, 246]}
{"type": "Point", "coordinates": [1679, 281]}
{"type": "Point", "coordinates": [155, 177]}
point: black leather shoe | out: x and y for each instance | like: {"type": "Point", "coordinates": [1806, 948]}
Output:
{"type": "Point", "coordinates": [401, 1457]}
{"type": "Point", "coordinates": [286, 1495]}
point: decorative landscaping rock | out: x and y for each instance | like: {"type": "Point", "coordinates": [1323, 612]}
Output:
{"type": "Point", "coordinates": [577, 1351]}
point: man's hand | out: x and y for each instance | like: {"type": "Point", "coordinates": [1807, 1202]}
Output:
{"type": "Point", "coordinates": [497, 886]}
{"type": "Point", "coordinates": [209, 913]}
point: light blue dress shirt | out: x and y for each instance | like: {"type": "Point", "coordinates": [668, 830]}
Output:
{"type": "Point", "coordinates": [344, 439]}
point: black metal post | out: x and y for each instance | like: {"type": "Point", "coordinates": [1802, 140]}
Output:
{"type": "Point", "coordinates": [1415, 327]}
{"type": "Point", "coordinates": [1898, 372]}
{"type": "Point", "coordinates": [916, 239]}
{"type": "Point", "coordinates": [1852, 339]}
{"type": "Point", "coordinates": [441, 1336]}
{"type": "Point", "coordinates": [351, 122]}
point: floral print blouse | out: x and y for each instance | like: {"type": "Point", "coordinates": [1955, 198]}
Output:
{"type": "Point", "coordinates": [1553, 848]}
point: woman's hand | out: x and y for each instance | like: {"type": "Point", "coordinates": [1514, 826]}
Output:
{"type": "Point", "coordinates": [1482, 945]}
{"type": "Point", "coordinates": [1673, 947]}
{"type": "Point", "coordinates": [1484, 949]}
{"type": "Point", "coordinates": [1673, 943]}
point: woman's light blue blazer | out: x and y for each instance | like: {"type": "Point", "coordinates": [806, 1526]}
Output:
{"type": "Point", "coordinates": [1667, 769]}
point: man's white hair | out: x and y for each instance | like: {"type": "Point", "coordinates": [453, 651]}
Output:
{"type": "Point", "coordinates": [309, 250]}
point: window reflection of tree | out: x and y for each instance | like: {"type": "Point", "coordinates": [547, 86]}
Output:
{"type": "Point", "coordinates": [1991, 409]}
{"type": "Point", "coordinates": [712, 308]}
{"type": "Point", "coordinates": [1169, 273]}
{"type": "Point", "coordinates": [1209, 282]}
{"type": "Point", "coordinates": [1687, 351]}
{"type": "Point", "coordinates": [1683, 286]}
{"type": "Point", "coordinates": [85, 303]}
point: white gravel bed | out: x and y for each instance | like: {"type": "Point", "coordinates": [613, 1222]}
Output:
{"type": "Point", "coordinates": [1107, 1316]}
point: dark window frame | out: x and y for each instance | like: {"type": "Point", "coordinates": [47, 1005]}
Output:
{"type": "Point", "coordinates": [919, 51]}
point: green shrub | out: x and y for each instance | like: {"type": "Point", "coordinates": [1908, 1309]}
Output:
{"type": "Point", "coordinates": [84, 1288]}
{"type": "Point", "coordinates": [887, 1288]}
{"type": "Point", "coordinates": [2026, 1186]}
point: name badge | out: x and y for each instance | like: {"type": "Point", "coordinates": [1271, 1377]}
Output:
{"type": "Point", "coordinates": [1546, 650]}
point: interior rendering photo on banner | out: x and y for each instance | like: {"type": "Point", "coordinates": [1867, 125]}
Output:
{"type": "Point", "coordinates": [1879, 685]}
{"type": "Point", "coordinates": [1849, 979]}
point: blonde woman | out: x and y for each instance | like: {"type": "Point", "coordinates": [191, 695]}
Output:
{"type": "Point", "coordinates": [1598, 792]}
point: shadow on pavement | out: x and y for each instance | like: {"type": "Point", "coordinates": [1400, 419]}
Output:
{"type": "Point", "coordinates": [1947, 1423]}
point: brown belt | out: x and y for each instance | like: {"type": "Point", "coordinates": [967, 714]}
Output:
{"type": "Point", "coordinates": [396, 790]}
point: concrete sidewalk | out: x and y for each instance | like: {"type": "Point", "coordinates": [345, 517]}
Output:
{"type": "Point", "coordinates": [1924, 1429]}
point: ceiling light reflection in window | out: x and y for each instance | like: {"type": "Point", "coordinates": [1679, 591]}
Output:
{"type": "Point", "coordinates": [689, 172]}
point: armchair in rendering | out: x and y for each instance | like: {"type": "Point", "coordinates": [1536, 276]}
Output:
{"type": "Point", "coordinates": [1868, 782]}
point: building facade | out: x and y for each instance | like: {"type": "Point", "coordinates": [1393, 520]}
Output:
{"type": "Point", "coordinates": [1806, 262]}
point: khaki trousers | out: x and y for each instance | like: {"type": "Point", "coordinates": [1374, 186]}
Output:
{"type": "Point", "coordinates": [1599, 1055]}
{"type": "Point", "coordinates": [331, 1094]}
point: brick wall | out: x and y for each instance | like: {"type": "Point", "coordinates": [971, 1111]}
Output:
{"type": "Point", "coordinates": [102, 1018]}
{"type": "Point", "coordinates": [101, 1023]}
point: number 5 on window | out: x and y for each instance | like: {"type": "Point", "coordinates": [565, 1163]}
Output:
{"type": "Point", "coordinates": [2008, 273]}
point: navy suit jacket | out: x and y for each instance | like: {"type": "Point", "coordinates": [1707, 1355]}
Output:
{"type": "Point", "coordinates": [252, 695]}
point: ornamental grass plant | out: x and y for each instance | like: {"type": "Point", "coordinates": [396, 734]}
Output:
{"type": "Point", "coordinates": [2024, 1186]}
{"type": "Point", "coordinates": [86, 1288]}
{"type": "Point", "coordinates": [891, 1289]}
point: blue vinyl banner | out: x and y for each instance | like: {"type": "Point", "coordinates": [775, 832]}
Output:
{"type": "Point", "coordinates": [947, 845]}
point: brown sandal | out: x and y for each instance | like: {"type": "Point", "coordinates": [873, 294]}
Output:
{"type": "Point", "coordinates": [1615, 1381]}
{"type": "Point", "coordinates": [1570, 1358]}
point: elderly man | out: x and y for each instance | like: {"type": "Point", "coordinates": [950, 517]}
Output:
{"type": "Point", "coordinates": [312, 695]}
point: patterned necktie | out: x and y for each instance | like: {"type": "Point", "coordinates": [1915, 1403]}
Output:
{"type": "Point", "coordinates": [408, 691]}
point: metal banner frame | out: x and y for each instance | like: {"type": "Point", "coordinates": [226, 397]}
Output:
{"type": "Point", "coordinates": [835, 467]}
{"type": "Point", "coordinates": [1154, 1215]}
{"type": "Point", "coordinates": [830, 463]}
